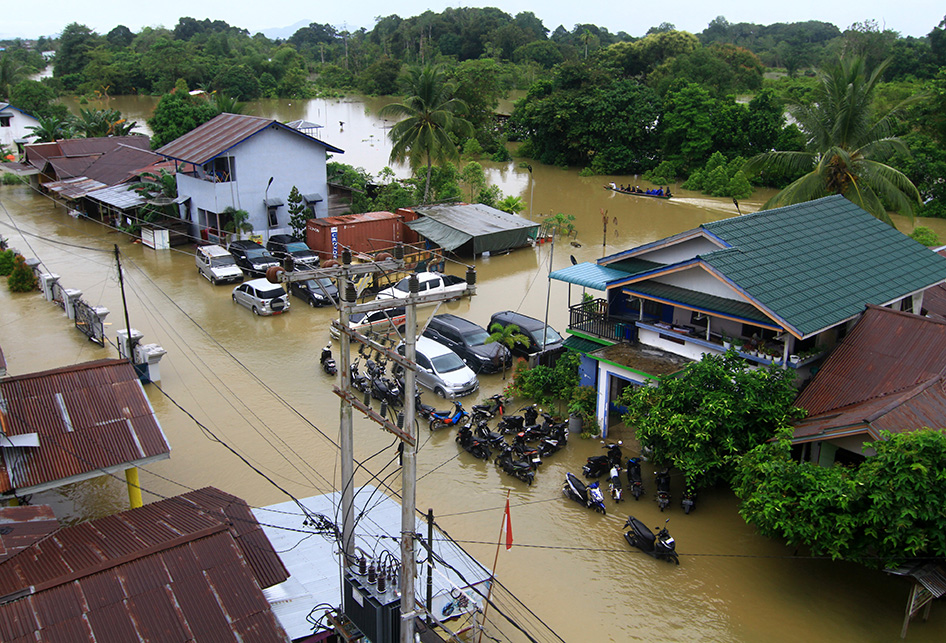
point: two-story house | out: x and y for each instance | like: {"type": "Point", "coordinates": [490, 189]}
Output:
{"type": "Point", "coordinates": [15, 127]}
{"type": "Point", "coordinates": [248, 163]}
{"type": "Point", "coordinates": [781, 286]}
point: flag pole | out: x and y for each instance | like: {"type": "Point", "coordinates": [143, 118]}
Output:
{"type": "Point", "coordinates": [499, 542]}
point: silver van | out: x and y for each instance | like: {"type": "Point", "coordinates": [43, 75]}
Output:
{"type": "Point", "coordinates": [217, 265]}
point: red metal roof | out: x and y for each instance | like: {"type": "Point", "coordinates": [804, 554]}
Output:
{"type": "Point", "coordinates": [221, 133]}
{"type": "Point", "coordinates": [174, 570]}
{"type": "Point", "coordinates": [888, 374]}
{"type": "Point", "coordinates": [20, 527]}
{"type": "Point", "coordinates": [348, 219]}
{"type": "Point", "coordinates": [88, 417]}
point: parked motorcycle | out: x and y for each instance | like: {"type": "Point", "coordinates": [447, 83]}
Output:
{"type": "Point", "coordinates": [549, 445]}
{"type": "Point", "coordinates": [327, 361]}
{"type": "Point", "coordinates": [614, 484]}
{"type": "Point", "coordinates": [425, 411]}
{"type": "Point", "coordinates": [598, 465]}
{"type": "Point", "coordinates": [663, 489]}
{"type": "Point", "coordinates": [493, 438]}
{"type": "Point", "coordinates": [589, 496]}
{"type": "Point", "coordinates": [689, 499]}
{"type": "Point", "coordinates": [660, 545]}
{"type": "Point", "coordinates": [358, 381]}
{"type": "Point", "coordinates": [509, 462]}
{"type": "Point", "coordinates": [526, 452]}
{"type": "Point", "coordinates": [492, 407]}
{"type": "Point", "coordinates": [634, 479]}
{"type": "Point", "coordinates": [468, 441]}
{"type": "Point", "coordinates": [440, 419]}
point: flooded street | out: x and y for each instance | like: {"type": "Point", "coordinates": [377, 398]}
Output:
{"type": "Point", "coordinates": [255, 384]}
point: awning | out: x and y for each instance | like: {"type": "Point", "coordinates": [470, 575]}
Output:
{"type": "Point", "coordinates": [117, 196]}
{"type": "Point", "coordinates": [315, 197]}
{"type": "Point", "coordinates": [589, 275]}
{"type": "Point", "coordinates": [488, 229]}
{"type": "Point", "coordinates": [273, 203]}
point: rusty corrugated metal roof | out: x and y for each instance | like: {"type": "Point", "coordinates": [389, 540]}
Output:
{"type": "Point", "coordinates": [173, 570]}
{"type": "Point", "coordinates": [20, 527]}
{"type": "Point", "coordinates": [348, 219]}
{"type": "Point", "coordinates": [88, 417]}
{"type": "Point", "coordinates": [887, 374]}
{"type": "Point", "coordinates": [223, 132]}
{"type": "Point", "coordinates": [74, 188]}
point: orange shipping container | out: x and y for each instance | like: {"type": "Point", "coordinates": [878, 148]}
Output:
{"type": "Point", "coordinates": [368, 232]}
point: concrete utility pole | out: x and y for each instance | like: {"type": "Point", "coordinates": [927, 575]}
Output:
{"type": "Point", "coordinates": [405, 433]}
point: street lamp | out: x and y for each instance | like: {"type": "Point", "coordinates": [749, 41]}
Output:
{"type": "Point", "coordinates": [531, 187]}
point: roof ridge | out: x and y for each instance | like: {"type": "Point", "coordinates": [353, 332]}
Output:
{"type": "Point", "coordinates": [74, 368]}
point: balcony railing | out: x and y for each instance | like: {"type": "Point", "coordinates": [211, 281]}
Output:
{"type": "Point", "coordinates": [591, 318]}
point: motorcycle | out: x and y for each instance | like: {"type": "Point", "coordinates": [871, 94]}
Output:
{"type": "Point", "coordinates": [598, 465]}
{"type": "Point", "coordinates": [440, 419]}
{"type": "Point", "coordinates": [492, 438]}
{"type": "Point", "coordinates": [660, 546]}
{"type": "Point", "coordinates": [634, 479]}
{"type": "Point", "coordinates": [425, 411]}
{"type": "Point", "coordinates": [689, 499]}
{"type": "Point", "coordinates": [492, 407]}
{"type": "Point", "coordinates": [525, 452]}
{"type": "Point", "coordinates": [358, 381]}
{"type": "Point", "coordinates": [515, 467]}
{"type": "Point", "coordinates": [516, 423]}
{"type": "Point", "coordinates": [614, 484]}
{"type": "Point", "coordinates": [589, 496]}
{"type": "Point", "coordinates": [549, 445]}
{"type": "Point", "coordinates": [476, 448]}
{"type": "Point", "coordinates": [663, 489]}
{"type": "Point", "coordinates": [327, 361]}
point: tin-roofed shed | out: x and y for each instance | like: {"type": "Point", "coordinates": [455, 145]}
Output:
{"type": "Point", "coordinates": [473, 228]}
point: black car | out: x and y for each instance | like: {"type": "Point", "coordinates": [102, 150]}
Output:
{"type": "Point", "coordinates": [285, 247]}
{"type": "Point", "coordinates": [315, 292]}
{"type": "Point", "coordinates": [468, 340]}
{"type": "Point", "coordinates": [541, 337]}
{"type": "Point", "coordinates": [252, 257]}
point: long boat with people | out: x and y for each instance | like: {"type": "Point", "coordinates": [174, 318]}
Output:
{"type": "Point", "coordinates": [633, 190]}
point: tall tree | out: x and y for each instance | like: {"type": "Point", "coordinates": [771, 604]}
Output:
{"type": "Point", "coordinates": [430, 115]}
{"type": "Point", "coordinates": [847, 146]}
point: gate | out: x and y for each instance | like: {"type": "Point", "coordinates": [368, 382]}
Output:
{"type": "Point", "coordinates": [59, 295]}
{"type": "Point", "coordinates": [89, 323]}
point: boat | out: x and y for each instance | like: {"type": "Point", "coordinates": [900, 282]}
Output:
{"type": "Point", "coordinates": [632, 193]}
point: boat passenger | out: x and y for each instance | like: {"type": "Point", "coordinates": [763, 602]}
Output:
{"type": "Point", "coordinates": [613, 186]}
{"type": "Point", "coordinates": [659, 192]}
{"type": "Point", "coordinates": [667, 193]}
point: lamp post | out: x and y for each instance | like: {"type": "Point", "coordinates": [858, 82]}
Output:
{"type": "Point", "coordinates": [531, 187]}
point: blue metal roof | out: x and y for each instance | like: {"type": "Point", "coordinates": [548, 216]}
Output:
{"type": "Point", "coordinates": [589, 275]}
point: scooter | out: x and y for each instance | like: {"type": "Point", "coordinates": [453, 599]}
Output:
{"type": "Point", "coordinates": [614, 484]}
{"type": "Point", "coordinates": [589, 496]}
{"type": "Point", "coordinates": [524, 451]}
{"type": "Point", "coordinates": [660, 546]}
{"type": "Point", "coordinates": [358, 381]}
{"type": "Point", "coordinates": [521, 469]}
{"type": "Point", "coordinates": [492, 407]}
{"type": "Point", "coordinates": [327, 361]}
{"type": "Point", "coordinates": [598, 465]}
{"type": "Point", "coordinates": [476, 448]}
{"type": "Point", "coordinates": [634, 479]}
{"type": "Point", "coordinates": [492, 438]}
{"type": "Point", "coordinates": [440, 419]}
{"type": "Point", "coordinates": [426, 411]}
{"type": "Point", "coordinates": [663, 489]}
{"type": "Point", "coordinates": [689, 499]}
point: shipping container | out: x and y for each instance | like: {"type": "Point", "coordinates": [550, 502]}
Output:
{"type": "Point", "coordinates": [363, 233]}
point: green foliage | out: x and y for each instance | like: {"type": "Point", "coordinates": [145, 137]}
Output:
{"type": "Point", "coordinates": [238, 221]}
{"type": "Point", "coordinates": [508, 336]}
{"type": "Point", "coordinates": [298, 213]}
{"type": "Point", "coordinates": [51, 129]}
{"type": "Point", "coordinates": [35, 98]}
{"type": "Point", "coordinates": [8, 178]}
{"type": "Point", "coordinates": [21, 278]}
{"type": "Point", "coordinates": [884, 512]}
{"type": "Point", "coordinates": [548, 386]}
{"type": "Point", "coordinates": [511, 204]}
{"type": "Point", "coordinates": [178, 113]}
{"type": "Point", "coordinates": [6, 262]}
{"type": "Point", "coordinates": [925, 235]}
{"type": "Point", "coordinates": [716, 410]}
{"type": "Point", "coordinates": [93, 123]}
{"type": "Point", "coordinates": [664, 173]}
{"type": "Point", "coordinates": [560, 225]}
{"type": "Point", "coordinates": [474, 178]}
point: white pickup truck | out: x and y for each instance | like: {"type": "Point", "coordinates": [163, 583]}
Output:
{"type": "Point", "coordinates": [430, 283]}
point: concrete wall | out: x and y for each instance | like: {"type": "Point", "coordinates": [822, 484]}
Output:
{"type": "Point", "coordinates": [699, 280]}
{"type": "Point", "coordinates": [19, 122]}
{"type": "Point", "coordinates": [681, 251]}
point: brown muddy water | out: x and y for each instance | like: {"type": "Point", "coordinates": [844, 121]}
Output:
{"type": "Point", "coordinates": [255, 383]}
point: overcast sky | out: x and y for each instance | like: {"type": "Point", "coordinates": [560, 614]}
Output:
{"type": "Point", "coordinates": [26, 20]}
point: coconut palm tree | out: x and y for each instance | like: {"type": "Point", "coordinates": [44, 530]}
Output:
{"type": "Point", "coordinates": [430, 115]}
{"type": "Point", "coordinates": [50, 129]}
{"type": "Point", "coordinates": [508, 336]}
{"type": "Point", "coordinates": [847, 146]}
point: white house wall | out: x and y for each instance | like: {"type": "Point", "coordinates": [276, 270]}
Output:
{"type": "Point", "coordinates": [18, 128]}
{"type": "Point", "coordinates": [607, 371]}
{"type": "Point", "coordinates": [698, 280]}
{"type": "Point", "coordinates": [681, 251]}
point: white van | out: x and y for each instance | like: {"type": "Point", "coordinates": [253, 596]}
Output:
{"type": "Point", "coordinates": [217, 265]}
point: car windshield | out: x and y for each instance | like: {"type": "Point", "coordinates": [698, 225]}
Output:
{"type": "Point", "coordinates": [270, 293]}
{"type": "Point", "coordinates": [447, 363]}
{"type": "Point", "coordinates": [223, 261]}
{"type": "Point", "coordinates": [256, 253]}
{"type": "Point", "coordinates": [296, 246]}
{"type": "Point", "coordinates": [477, 337]}
{"type": "Point", "coordinates": [314, 284]}
{"type": "Point", "coordinates": [551, 337]}
{"type": "Point", "coordinates": [402, 285]}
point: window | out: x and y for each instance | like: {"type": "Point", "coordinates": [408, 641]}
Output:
{"type": "Point", "coordinates": [221, 169]}
{"type": "Point", "coordinates": [273, 217]}
{"type": "Point", "coordinates": [5, 121]}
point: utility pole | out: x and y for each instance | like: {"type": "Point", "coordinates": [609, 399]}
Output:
{"type": "Point", "coordinates": [405, 432]}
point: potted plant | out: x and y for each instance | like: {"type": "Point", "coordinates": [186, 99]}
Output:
{"type": "Point", "coordinates": [794, 359]}
{"type": "Point", "coordinates": [727, 342]}
{"type": "Point", "coordinates": [581, 408]}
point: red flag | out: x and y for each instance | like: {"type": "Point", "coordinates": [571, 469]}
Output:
{"type": "Point", "coordinates": [508, 527]}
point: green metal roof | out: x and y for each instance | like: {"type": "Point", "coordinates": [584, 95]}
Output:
{"type": "Point", "coordinates": [581, 345]}
{"type": "Point", "coordinates": [635, 266]}
{"type": "Point", "coordinates": [589, 275]}
{"type": "Point", "coordinates": [819, 263]}
{"type": "Point", "coordinates": [699, 300]}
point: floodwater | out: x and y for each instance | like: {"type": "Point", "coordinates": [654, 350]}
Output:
{"type": "Point", "coordinates": [255, 385]}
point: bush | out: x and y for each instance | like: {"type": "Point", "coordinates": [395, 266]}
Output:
{"type": "Point", "coordinates": [925, 236]}
{"type": "Point", "coordinates": [6, 262]}
{"type": "Point", "coordinates": [11, 179]}
{"type": "Point", "coordinates": [21, 278]}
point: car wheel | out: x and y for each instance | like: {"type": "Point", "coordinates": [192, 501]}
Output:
{"type": "Point", "coordinates": [213, 281]}
{"type": "Point", "coordinates": [233, 297]}
{"type": "Point", "coordinates": [255, 310]}
{"type": "Point", "coordinates": [439, 391]}
{"type": "Point", "coordinates": [311, 302]}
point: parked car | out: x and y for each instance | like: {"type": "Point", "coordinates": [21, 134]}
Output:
{"type": "Point", "coordinates": [252, 257]}
{"type": "Point", "coordinates": [315, 292]}
{"type": "Point", "coordinates": [217, 265]}
{"type": "Point", "coordinates": [285, 247]}
{"type": "Point", "coordinates": [541, 337]}
{"type": "Point", "coordinates": [468, 340]}
{"type": "Point", "coordinates": [378, 321]}
{"type": "Point", "coordinates": [262, 297]}
{"type": "Point", "coordinates": [429, 282]}
{"type": "Point", "coordinates": [441, 370]}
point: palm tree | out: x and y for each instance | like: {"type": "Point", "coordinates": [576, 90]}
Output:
{"type": "Point", "coordinates": [847, 147]}
{"type": "Point", "coordinates": [508, 336]}
{"type": "Point", "coordinates": [50, 129]}
{"type": "Point", "coordinates": [431, 114]}
{"type": "Point", "coordinates": [93, 123]}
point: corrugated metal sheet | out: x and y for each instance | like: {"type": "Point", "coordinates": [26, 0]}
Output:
{"type": "Point", "coordinates": [589, 275]}
{"type": "Point", "coordinates": [172, 570]}
{"type": "Point", "coordinates": [117, 196]}
{"type": "Point", "coordinates": [489, 229]}
{"type": "Point", "coordinates": [20, 527]}
{"type": "Point", "coordinates": [73, 188]}
{"type": "Point", "coordinates": [221, 133]}
{"type": "Point", "coordinates": [365, 232]}
{"type": "Point", "coordinates": [88, 416]}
